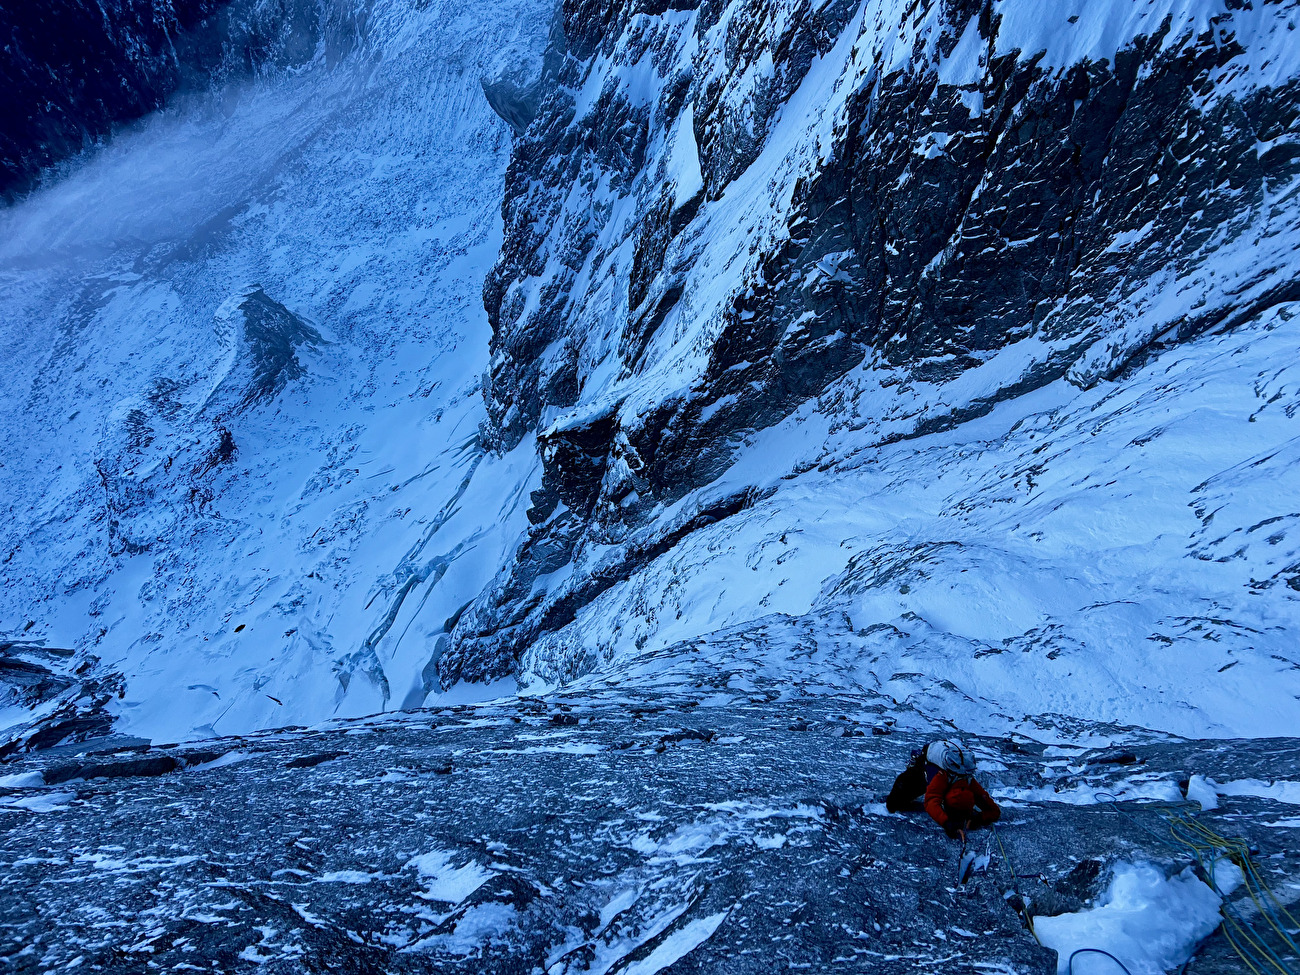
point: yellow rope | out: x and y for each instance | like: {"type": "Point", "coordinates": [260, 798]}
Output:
{"type": "Point", "coordinates": [1029, 920]}
{"type": "Point", "coordinates": [1237, 851]}
{"type": "Point", "coordinates": [1213, 844]}
{"type": "Point", "coordinates": [1204, 843]}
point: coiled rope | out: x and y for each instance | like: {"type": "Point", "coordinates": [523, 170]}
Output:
{"type": "Point", "coordinates": [1206, 848]}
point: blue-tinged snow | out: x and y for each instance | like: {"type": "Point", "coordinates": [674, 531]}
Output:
{"type": "Point", "coordinates": [1114, 550]}
{"type": "Point", "coordinates": [363, 197]}
{"type": "Point", "coordinates": [1118, 554]}
{"type": "Point", "coordinates": [1150, 922]}
{"type": "Point", "coordinates": [445, 883]}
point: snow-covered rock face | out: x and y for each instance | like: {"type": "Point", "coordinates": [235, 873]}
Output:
{"type": "Point", "coordinates": [766, 264]}
{"type": "Point", "coordinates": [731, 826]}
{"type": "Point", "coordinates": [942, 351]}
{"type": "Point", "coordinates": [160, 451]}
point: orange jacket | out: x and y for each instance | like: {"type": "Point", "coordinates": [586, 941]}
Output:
{"type": "Point", "coordinates": [947, 797]}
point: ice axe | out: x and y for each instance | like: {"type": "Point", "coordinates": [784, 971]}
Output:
{"type": "Point", "coordinates": [970, 863]}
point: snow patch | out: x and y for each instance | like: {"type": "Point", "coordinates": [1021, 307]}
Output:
{"type": "Point", "coordinates": [1200, 789]}
{"type": "Point", "coordinates": [53, 802]}
{"type": "Point", "coordinates": [445, 883]}
{"type": "Point", "coordinates": [1148, 921]}
{"type": "Point", "coordinates": [677, 945]}
{"type": "Point", "coordinates": [22, 780]}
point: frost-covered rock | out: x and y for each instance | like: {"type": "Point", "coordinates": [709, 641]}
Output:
{"type": "Point", "coordinates": [689, 822]}
{"type": "Point", "coordinates": [948, 340]}
{"type": "Point", "coordinates": [262, 338]}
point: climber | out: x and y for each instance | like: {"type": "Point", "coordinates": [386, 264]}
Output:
{"type": "Point", "coordinates": [945, 774]}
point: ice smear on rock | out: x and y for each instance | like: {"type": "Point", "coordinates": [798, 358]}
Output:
{"type": "Point", "coordinates": [677, 946]}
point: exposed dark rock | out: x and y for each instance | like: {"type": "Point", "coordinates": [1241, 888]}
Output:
{"type": "Point", "coordinates": [758, 851]}
{"type": "Point", "coordinates": [74, 691]}
{"type": "Point", "coordinates": [734, 105]}
{"type": "Point", "coordinates": [26, 674]}
{"type": "Point", "coordinates": [1114, 757]}
{"type": "Point", "coordinates": [123, 768]}
{"type": "Point", "coordinates": [311, 761]}
{"type": "Point", "coordinates": [77, 727]}
{"type": "Point", "coordinates": [489, 639]}
{"type": "Point", "coordinates": [270, 335]}
{"type": "Point", "coordinates": [106, 745]}
{"type": "Point", "coordinates": [576, 456]}
{"type": "Point", "coordinates": [687, 734]}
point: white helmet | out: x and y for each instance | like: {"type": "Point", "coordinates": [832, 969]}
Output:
{"type": "Point", "coordinates": [950, 756]}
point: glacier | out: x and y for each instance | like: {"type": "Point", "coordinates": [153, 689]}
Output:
{"type": "Point", "coordinates": [360, 197]}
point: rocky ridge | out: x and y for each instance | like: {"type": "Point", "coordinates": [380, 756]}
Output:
{"type": "Point", "coordinates": [603, 829]}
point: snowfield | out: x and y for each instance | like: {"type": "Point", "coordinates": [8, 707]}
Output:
{"type": "Point", "coordinates": [1121, 554]}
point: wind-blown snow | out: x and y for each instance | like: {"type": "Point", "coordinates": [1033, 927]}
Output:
{"type": "Point", "coordinates": [1109, 550]}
